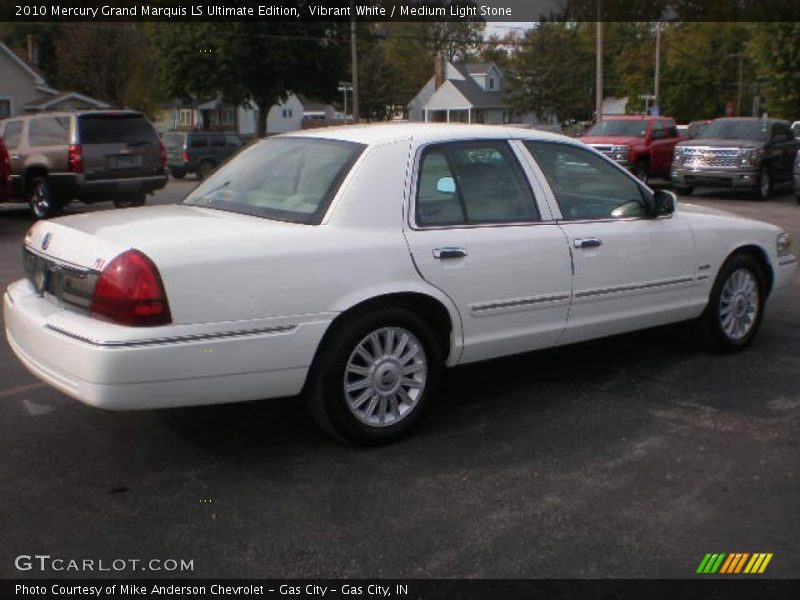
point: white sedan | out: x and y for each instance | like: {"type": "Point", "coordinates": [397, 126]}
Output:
{"type": "Point", "coordinates": [352, 264]}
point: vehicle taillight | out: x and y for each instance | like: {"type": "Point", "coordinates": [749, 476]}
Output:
{"type": "Point", "coordinates": [129, 291]}
{"type": "Point", "coordinates": [185, 156]}
{"type": "Point", "coordinates": [163, 156]}
{"type": "Point", "coordinates": [75, 158]}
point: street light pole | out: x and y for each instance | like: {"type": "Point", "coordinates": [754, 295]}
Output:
{"type": "Point", "coordinates": [354, 59]}
{"type": "Point", "coordinates": [657, 93]}
{"type": "Point", "coordinates": [598, 105]}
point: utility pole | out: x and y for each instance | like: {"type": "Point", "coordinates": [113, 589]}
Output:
{"type": "Point", "coordinates": [354, 60]}
{"type": "Point", "coordinates": [598, 105]}
{"type": "Point", "coordinates": [657, 93]}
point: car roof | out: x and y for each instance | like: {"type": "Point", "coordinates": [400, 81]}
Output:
{"type": "Point", "coordinates": [635, 117]}
{"type": "Point", "coordinates": [379, 133]}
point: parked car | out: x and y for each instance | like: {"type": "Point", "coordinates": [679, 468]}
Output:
{"type": "Point", "coordinates": [353, 263]}
{"type": "Point", "coordinates": [641, 143]}
{"type": "Point", "coordinates": [737, 152]}
{"type": "Point", "coordinates": [5, 172]}
{"type": "Point", "coordinates": [91, 156]}
{"type": "Point", "coordinates": [797, 177]}
{"type": "Point", "coordinates": [198, 152]}
{"type": "Point", "coordinates": [796, 129]}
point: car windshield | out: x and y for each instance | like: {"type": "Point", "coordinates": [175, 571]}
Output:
{"type": "Point", "coordinates": [620, 127]}
{"type": "Point", "coordinates": [737, 129]}
{"type": "Point", "coordinates": [289, 179]}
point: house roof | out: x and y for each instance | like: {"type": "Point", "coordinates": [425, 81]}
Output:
{"type": "Point", "coordinates": [46, 102]}
{"type": "Point", "coordinates": [38, 78]}
{"type": "Point", "coordinates": [476, 68]}
{"type": "Point", "coordinates": [478, 97]}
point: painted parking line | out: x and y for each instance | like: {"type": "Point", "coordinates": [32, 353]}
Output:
{"type": "Point", "coordinates": [20, 389]}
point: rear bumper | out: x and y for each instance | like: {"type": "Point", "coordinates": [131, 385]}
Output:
{"type": "Point", "coordinates": [163, 372]}
{"type": "Point", "coordinates": [105, 187]}
{"type": "Point", "coordinates": [714, 178]}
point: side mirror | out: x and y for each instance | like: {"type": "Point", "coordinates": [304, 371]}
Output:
{"type": "Point", "coordinates": [446, 185]}
{"type": "Point", "coordinates": [664, 203]}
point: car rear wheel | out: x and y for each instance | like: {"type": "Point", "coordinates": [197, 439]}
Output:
{"type": "Point", "coordinates": [373, 378]}
{"type": "Point", "coordinates": [205, 169]}
{"type": "Point", "coordinates": [130, 200]}
{"type": "Point", "coordinates": [40, 199]}
{"type": "Point", "coordinates": [736, 305]}
{"type": "Point", "coordinates": [177, 173]}
{"type": "Point", "coordinates": [764, 184]}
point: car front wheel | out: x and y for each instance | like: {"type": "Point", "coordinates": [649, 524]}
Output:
{"type": "Point", "coordinates": [764, 184]}
{"type": "Point", "coordinates": [736, 305]}
{"type": "Point", "coordinates": [374, 377]}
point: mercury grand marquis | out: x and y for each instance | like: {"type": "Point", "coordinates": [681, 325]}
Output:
{"type": "Point", "coordinates": [352, 264]}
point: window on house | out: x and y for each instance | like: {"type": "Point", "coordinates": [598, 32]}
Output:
{"type": "Point", "coordinates": [5, 108]}
{"type": "Point", "coordinates": [491, 83]}
{"type": "Point", "coordinates": [185, 117]}
{"type": "Point", "coordinates": [229, 116]}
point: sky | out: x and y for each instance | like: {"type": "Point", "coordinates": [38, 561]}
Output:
{"type": "Point", "coordinates": [503, 27]}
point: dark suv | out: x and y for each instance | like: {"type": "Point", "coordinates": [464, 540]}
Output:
{"type": "Point", "coordinates": [198, 152]}
{"type": "Point", "coordinates": [737, 152]}
{"type": "Point", "coordinates": [91, 156]}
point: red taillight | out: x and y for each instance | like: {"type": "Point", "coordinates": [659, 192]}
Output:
{"type": "Point", "coordinates": [129, 291]}
{"type": "Point", "coordinates": [185, 156]}
{"type": "Point", "coordinates": [75, 158]}
{"type": "Point", "coordinates": [163, 156]}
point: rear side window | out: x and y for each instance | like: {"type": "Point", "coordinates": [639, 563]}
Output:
{"type": "Point", "coordinates": [116, 129]}
{"type": "Point", "coordinates": [217, 141]}
{"type": "Point", "coordinates": [198, 141]}
{"type": "Point", "coordinates": [48, 131]}
{"type": "Point", "coordinates": [467, 183]}
{"type": "Point", "coordinates": [12, 133]}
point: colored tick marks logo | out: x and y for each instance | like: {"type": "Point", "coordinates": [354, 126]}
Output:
{"type": "Point", "coordinates": [734, 563]}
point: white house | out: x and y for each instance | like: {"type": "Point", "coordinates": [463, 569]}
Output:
{"type": "Point", "coordinates": [24, 89]}
{"type": "Point", "coordinates": [296, 113]}
{"type": "Point", "coordinates": [465, 92]}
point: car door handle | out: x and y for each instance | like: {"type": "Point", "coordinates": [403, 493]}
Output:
{"type": "Point", "coordinates": [445, 253]}
{"type": "Point", "coordinates": [588, 243]}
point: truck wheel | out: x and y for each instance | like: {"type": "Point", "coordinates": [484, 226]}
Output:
{"type": "Point", "coordinates": [177, 173]}
{"type": "Point", "coordinates": [40, 199]}
{"type": "Point", "coordinates": [130, 200]}
{"type": "Point", "coordinates": [641, 169]}
{"type": "Point", "coordinates": [736, 305]}
{"type": "Point", "coordinates": [764, 184]}
{"type": "Point", "coordinates": [374, 377]}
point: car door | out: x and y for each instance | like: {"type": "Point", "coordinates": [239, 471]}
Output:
{"type": "Point", "coordinates": [479, 231]}
{"type": "Point", "coordinates": [660, 148]}
{"type": "Point", "coordinates": [631, 271]}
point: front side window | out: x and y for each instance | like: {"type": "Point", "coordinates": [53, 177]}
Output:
{"type": "Point", "coordinates": [467, 183]}
{"type": "Point", "coordinates": [12, 134]}
{"type": "Point", "coordinates": [289, 179]}
{"type": "Point", "coordinates": [586, 186]}
{"type": "Point", "coordinates": [233, 141]}
{"type": "Point", "coordinates": [48, 131]}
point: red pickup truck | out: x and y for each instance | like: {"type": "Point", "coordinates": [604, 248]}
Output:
{"type": "Point", "coordinates": [5, 172]}
{"type": "Point", "coordinates": [642, 143]}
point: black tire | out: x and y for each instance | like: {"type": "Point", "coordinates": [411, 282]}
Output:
{"type": "Point", "coordinates": [764, 188]}
{"type": "Point", "coordinates": [325, 391]}
{"type": "Point", "coordinates": [710, 323]}
{"type": "Point", "coordinates": [641, 169]}
{"type": "Point", "coordinates": [797, 198]}
{"type": "Point", "coordinates": [130, 200]}
{"type": "Point", "coordinates": [204, 170]}
{"type": "Point", "coordinates": [684, 190]}
{"type": "Point", "coordinates": [40, 198]}
{"type": "Point", "coordinates": [177, 173]}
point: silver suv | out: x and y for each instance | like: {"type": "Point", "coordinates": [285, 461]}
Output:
{"type": "Point", "coordinates": [90, 156]}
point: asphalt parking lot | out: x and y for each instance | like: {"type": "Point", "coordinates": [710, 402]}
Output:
{"type": "Point", "coordinates": [626, 457]}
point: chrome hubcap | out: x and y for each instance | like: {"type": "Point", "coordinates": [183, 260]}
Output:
{"type": "Point", "coordinates": [764, 183]}
{"type": "Point", "coordinates": [738, 304]}
{"type": "Point", "coordinates": [385, 376]}
{"type": "Point", "coordinates": [40, 200]}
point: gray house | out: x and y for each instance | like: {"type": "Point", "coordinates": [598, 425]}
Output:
{"type": "Point", "coordinates": [23, 89]}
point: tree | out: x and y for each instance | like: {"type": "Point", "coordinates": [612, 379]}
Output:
{"type": "Point", "coordinates": [553, 73]}
{"type": "Point", "coordinates": [253, 62]}
{"type": "Point", "coordinates": [14, 35]}
{"type": "Point", "coordinates": [775, 50]}
{"type": "Point", "coordinates": [378, 78]}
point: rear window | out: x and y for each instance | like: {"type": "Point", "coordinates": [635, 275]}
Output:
{"type": "Point", "coordinates": [173, 140]}
{"type": "Point", "coordinates": [289, 179]}
{"type": "Point", "coordinates": [198, 141]}
{"type": "Point", "coordinates": [48, 131]}
{"type": "Point", "coordinates": [116, 129]}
